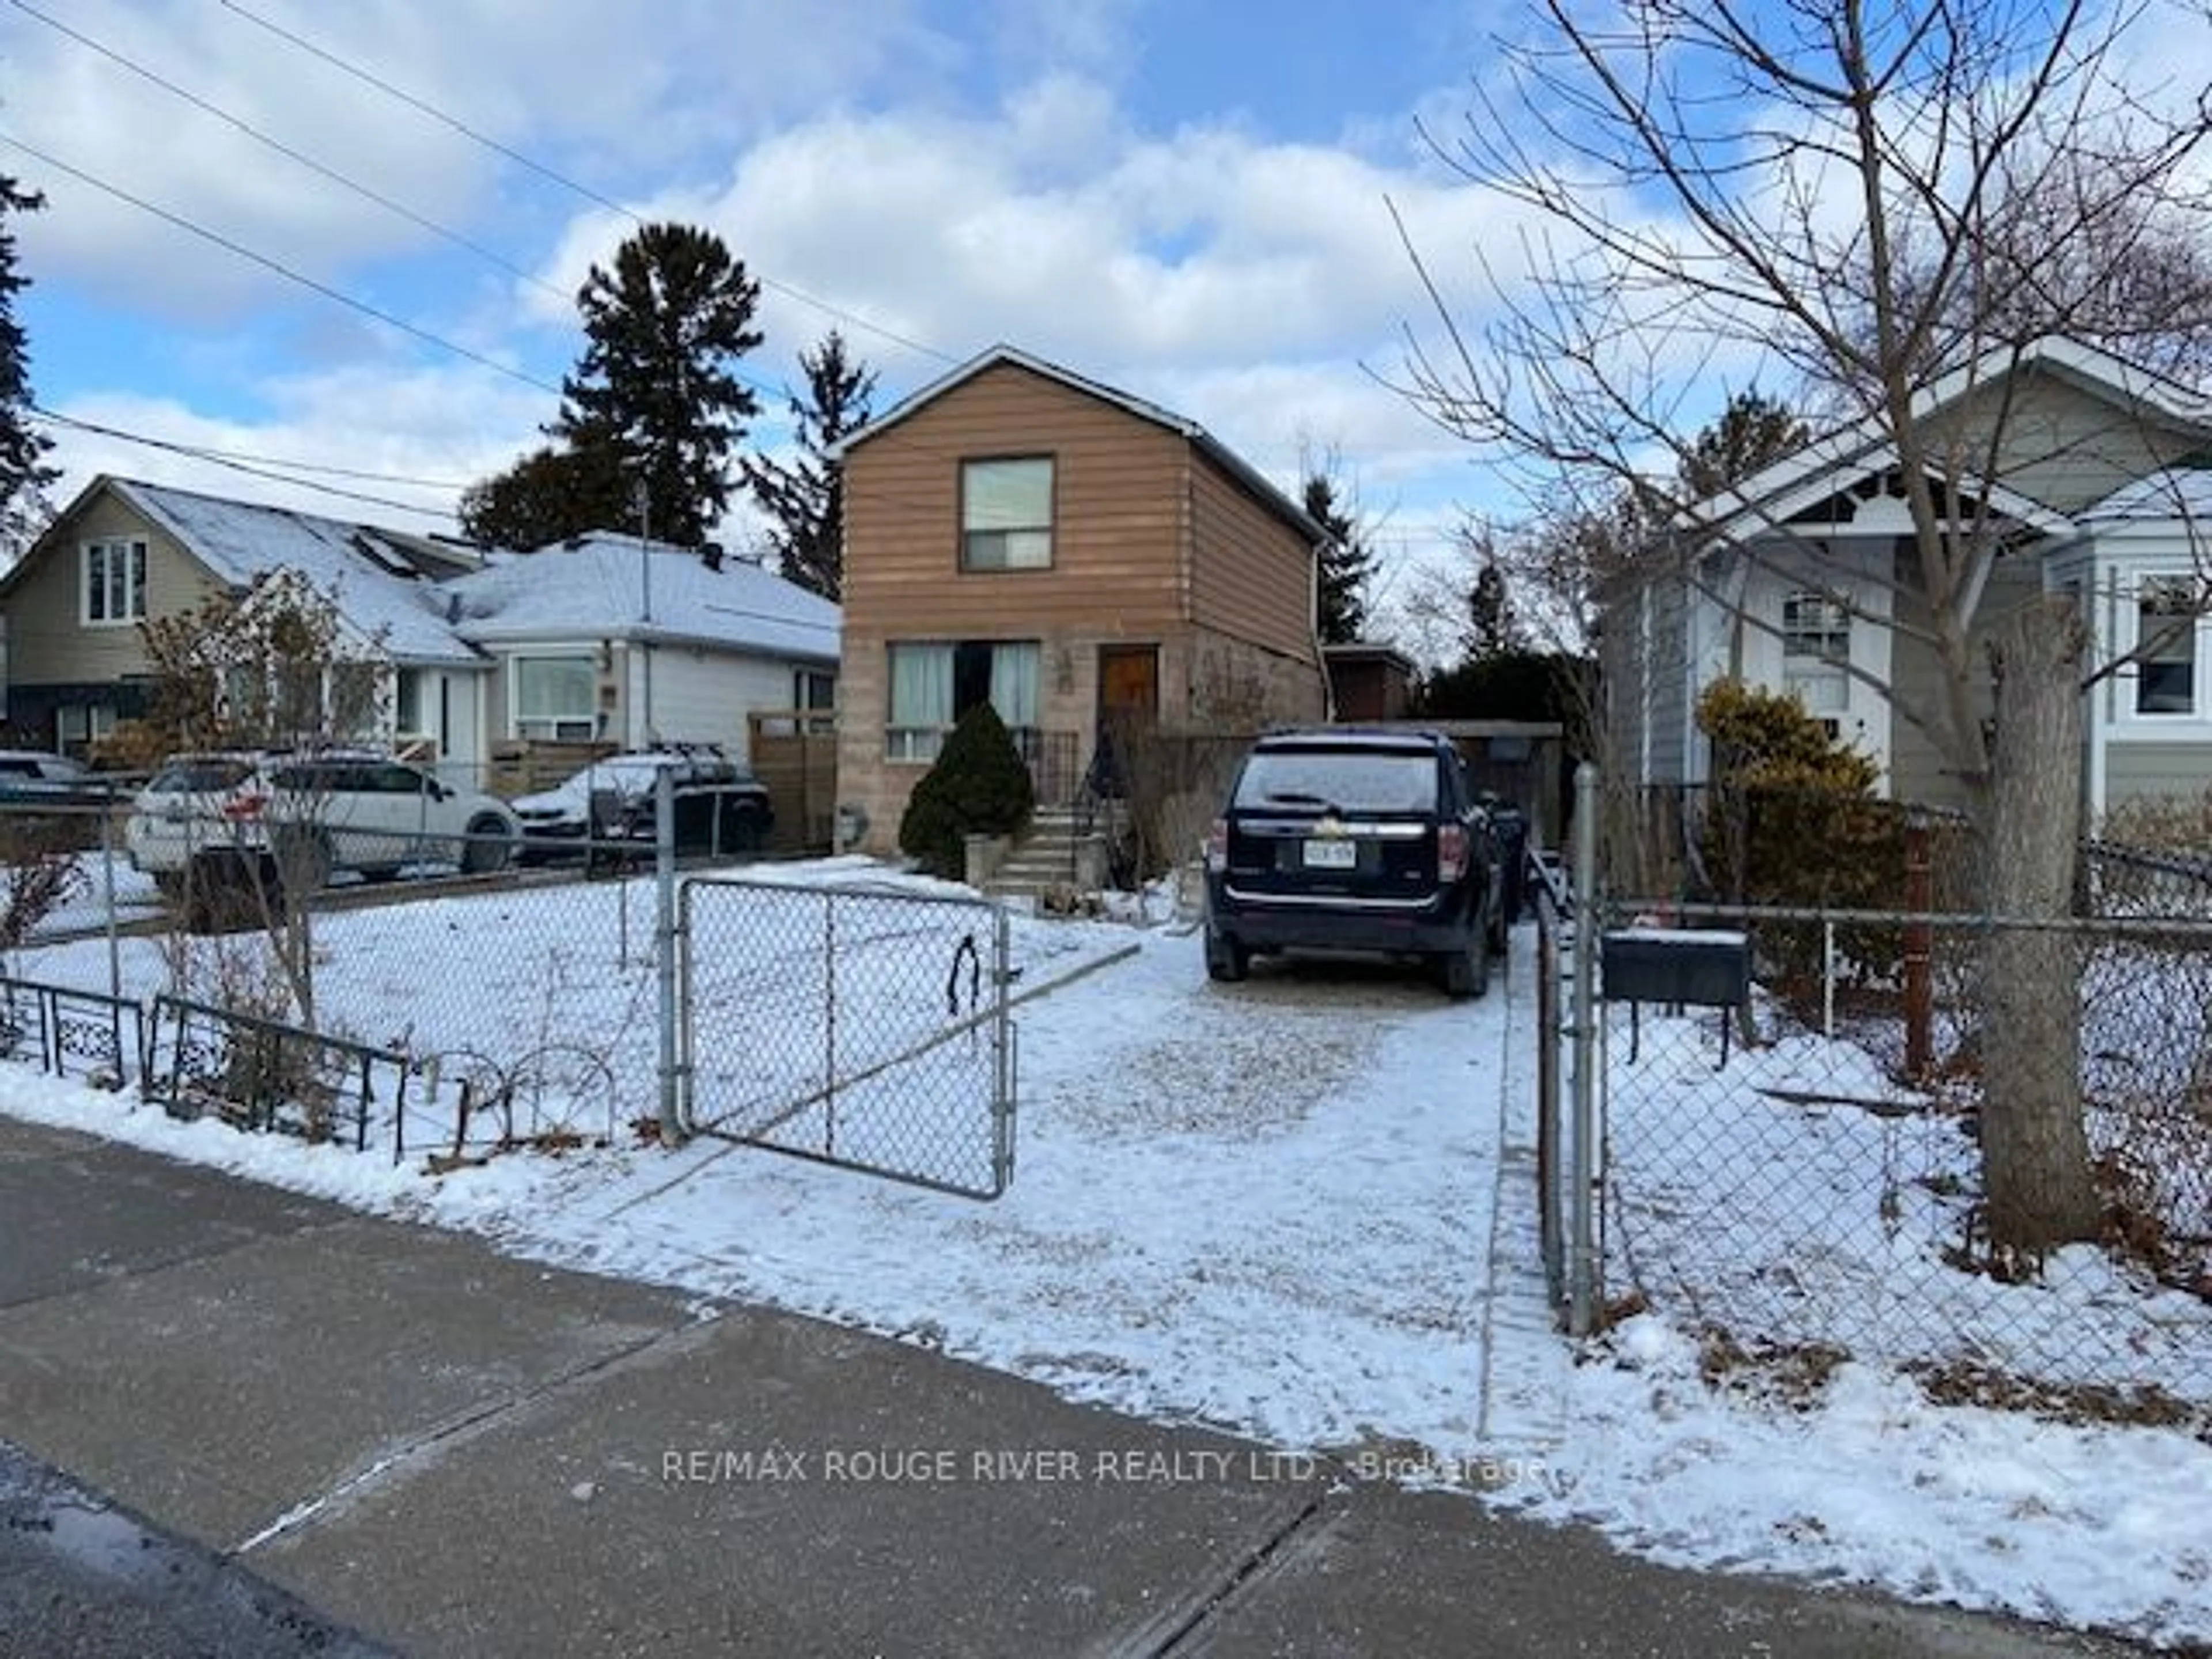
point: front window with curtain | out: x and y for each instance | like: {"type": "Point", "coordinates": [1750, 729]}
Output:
{"type": "Point", "coordinates": [933, 684]}
{"type": "Point", "coordinates": [1006, 515]}
{"type": "Point", "coordinates": [555, 699]}
{"type": "Point", "coordinates": [1816, 651]}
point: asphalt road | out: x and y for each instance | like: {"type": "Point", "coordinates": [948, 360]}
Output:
{"type": "Point", "coordinates": [82, 1577]}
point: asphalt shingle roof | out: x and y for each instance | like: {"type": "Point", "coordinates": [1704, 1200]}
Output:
{"type": "Point", "coordinates": [376, 577]}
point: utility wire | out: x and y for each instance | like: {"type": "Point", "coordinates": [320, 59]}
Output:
{"type": "Point", "coordinates": [201, 452]}
{"type": "Point", "coordinates": [586, 191]}
{"type": "Point", "coordinates": [217, 458]}
{"type": "Point", "coordinates": [775, 394]}
{"type": "Point", "coordinates": [280, 268]}
{"type": "Point", "coordinates": [283, 149]}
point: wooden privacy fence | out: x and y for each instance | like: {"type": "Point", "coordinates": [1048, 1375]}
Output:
{"type": "Point", "coordinates": [794, 753]}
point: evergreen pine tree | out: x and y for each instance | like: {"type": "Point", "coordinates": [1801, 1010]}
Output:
{"type": "Point", "coordinates": [654, 385]}
{"type": "Point", "coordinates": [805, 500]}
{"type": "Point", "coordinates": [24, 476]}
{"type": "Point", "coordinates": [1346, 561]}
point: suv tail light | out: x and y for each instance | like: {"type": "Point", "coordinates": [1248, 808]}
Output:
{"type": "Point", "coordinates": [1217, 847]}
{"type": "Point", "coordinates": [243, 809]}
{"type": "Point", "coordinates": [1451, 852]}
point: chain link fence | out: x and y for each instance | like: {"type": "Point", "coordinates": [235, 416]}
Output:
{"type": "Point", "coordinates": [1786, 1113]}
{"type": "Point", "coordinates": [521, 1007]}
{"type": "Point", "coordinates": [853, 1026]}
{"type": "Point", "coordinates": [1802, 1174]}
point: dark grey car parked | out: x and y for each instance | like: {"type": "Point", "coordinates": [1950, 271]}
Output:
{"type": "Point", "coordinates": [1340, 839]}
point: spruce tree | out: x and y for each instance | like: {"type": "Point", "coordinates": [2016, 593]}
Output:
{"type": "Point", "coordinates": [24, 476]}
{"type": "Point", "coordinates": [655, 386]}
{"type": "Point", "coordinates": [1346, 561]}
{"type": "Point", "coordinates": [805, 500]}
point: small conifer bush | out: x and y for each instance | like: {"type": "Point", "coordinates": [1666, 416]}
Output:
{"type": "Point", "coordinates": [979, 786]}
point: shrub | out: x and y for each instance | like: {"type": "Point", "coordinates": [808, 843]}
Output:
{"type": "Point", "coordinates": [1792, 822]}
{"type": "Point", "coordinates": [979, 786]}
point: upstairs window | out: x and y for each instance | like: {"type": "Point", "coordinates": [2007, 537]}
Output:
{"type": "Point", "coordinates": [1816, 651]}
{"type": "Point", "coordinates": [114, 583]}
{"type": "Point", "coordinates": [2166, 609]}
{"type": "Point", "coordinates": [1006, 515]}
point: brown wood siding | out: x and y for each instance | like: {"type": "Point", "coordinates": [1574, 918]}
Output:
{"type": "Point", "coordinates": [1118, 518]}
{"type": "Point", "coordinates": [48, 644]}
{"type": "Point", "coordinates": [1140, 518]}
{"type": "Point", "coordinates": [1251, 573]}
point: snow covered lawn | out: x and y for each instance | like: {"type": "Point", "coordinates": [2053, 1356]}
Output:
{"type": "Point", "coordinates": [1303, 1208]}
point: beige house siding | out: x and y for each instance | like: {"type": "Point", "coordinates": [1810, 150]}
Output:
{"type": "Point", "coordinates": [48, 642]}
{"type": "Point", "coordinates": [1235, 686]}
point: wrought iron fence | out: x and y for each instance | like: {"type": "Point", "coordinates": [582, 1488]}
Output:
{"type": "Point", "coordinates": [264, 1074]}
{"type": "Point", "coordinates": [73, 1033]}
{"type": "Point", "coordinates": [861, 1027]}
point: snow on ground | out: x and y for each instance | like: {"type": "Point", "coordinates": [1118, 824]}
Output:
{"type": "Point", "coordinates": [1302, 1208]}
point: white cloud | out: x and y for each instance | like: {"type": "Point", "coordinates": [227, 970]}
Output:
{"type": "Point", "coordinates": [443, 430]}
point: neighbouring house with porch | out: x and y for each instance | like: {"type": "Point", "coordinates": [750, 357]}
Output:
{"type": "Point", "coordinates": [606, 642]}
{"type": "Point", "coordinates": [125, 552]}
{"type": "Point", "coordinates": [1074, 555]}
{"type": "Point", "coordinates": [2095, 477]}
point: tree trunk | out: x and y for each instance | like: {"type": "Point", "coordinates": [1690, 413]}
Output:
{"type": "Point", "coordinates": [2035, 1151]}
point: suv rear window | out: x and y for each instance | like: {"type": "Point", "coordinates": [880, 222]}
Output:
{"type": "Point", "coordinates": [1348, 780]}
{"type": "Point", "coordinates": [200, 777]}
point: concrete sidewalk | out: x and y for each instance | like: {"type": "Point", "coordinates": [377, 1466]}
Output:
{"type": "Point", "coordinates": [451, 1452]}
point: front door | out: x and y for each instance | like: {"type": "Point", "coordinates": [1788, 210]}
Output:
{"type": "Point", "coordinates": [1128, 706]}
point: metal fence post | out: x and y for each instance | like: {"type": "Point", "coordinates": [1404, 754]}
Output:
{"type": "Point", "coordinates": [107, 890]}
{"type": "Point", "coordinates": [1585, 1293]}
{"type": "Point", "coordinates": [664, 865]}
{"type": "Point", "coordinates": [1002, 1038]}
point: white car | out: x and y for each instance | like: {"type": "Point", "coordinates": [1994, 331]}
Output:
{"type": "Point", "coordinates": [311, 815]}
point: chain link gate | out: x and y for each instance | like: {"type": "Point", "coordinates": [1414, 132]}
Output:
{"type": "Point", "coordinates": [861, 1027]}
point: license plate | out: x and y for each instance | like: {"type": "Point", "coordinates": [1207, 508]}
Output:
{"type": "Point", "coordinates": [1332, 855]}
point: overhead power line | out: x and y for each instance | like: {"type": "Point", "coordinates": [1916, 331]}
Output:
{"type": "Point", "coordinates": [223, 458]}
{"type": "Point", "coordinates": [320, 168]}
{"type": "Point", "coordinates": [202, 452]}
{"type": "Point", "coordinates": [425, 107]}
{"type": "Point", "coordinates": [281, 269]}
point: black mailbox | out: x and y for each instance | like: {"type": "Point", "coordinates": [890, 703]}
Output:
{"type": "Point", "coordinates": [1708, 968]}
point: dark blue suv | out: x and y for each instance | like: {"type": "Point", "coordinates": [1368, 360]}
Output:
{"type": "Point", "coordinates": [1351, 840]}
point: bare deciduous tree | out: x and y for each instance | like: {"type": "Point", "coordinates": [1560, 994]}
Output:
{"type": "Point", "coordinates": [1865, 197]}
{"type": "Point", "coordinates": [273, 670]}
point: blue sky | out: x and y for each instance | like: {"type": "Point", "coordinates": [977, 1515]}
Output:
{"type": "Point", "coordinates": [1187, 201]}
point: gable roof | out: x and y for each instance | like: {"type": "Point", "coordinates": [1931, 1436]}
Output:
{"type": "Point", "coordinates": [1003, 355]}
{"type": "Point", "coordinates": [594, 587]}
{"type": "Point", "coordinates": [2170, 494]}
{"type": "Point", "coordinates": [1797, 480]}
{"type": "Point", "coordinates": [375, 576]}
